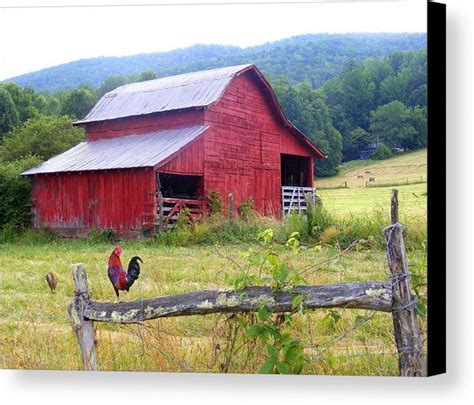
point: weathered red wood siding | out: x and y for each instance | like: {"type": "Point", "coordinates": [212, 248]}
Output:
{"type": "Point", "coordinates": [73, 203]}
{"type": "Point", "coordinates": [189, 160]}
{"type": "Point", "coordinates": [242, 148]}
{"type": "Point", "coordinates": [144, 124]}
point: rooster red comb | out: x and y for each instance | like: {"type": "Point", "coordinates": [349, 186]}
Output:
{"type": "Point", "coordinates": [118, 250]}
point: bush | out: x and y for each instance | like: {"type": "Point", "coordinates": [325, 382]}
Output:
{"type": "Point", "coordinates": [42, 136]}
{"type": "Point", "coordinates": [16, 193]}
{"type": "Point", "coordinates": [246, 209]}
{"type": "Point", "coordinates": [214, 203]}
{"type": "Point", "coordinates": [381, 153]}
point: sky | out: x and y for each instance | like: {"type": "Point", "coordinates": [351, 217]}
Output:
{"type": "Point", "coordinates": [39, 34]}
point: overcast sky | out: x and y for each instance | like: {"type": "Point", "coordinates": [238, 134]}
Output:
{"type": "Point", "coordinates": [32, 38]}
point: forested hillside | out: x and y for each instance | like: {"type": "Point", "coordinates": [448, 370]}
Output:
{"type": "Point", "coordinates": [311, 58]}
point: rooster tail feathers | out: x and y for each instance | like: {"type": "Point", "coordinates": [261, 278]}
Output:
{"type": "Point", "coordinates": [133, 270]}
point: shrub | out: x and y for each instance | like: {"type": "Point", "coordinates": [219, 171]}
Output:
{"type": "Point", "coordinates": [42, 136]}
{"type": "Point", "coordinates": [16, 193]}
{"type": "Point", "coordinates": [329, 236]}
{"type": "Point", "coordinates": [98, 236]}
{"type": "Point", "coordinates": [246, 209]}
{"type": "Point", "coordinates": [214, 203]}
{"type": "Point", "coordinates": [381, 153]}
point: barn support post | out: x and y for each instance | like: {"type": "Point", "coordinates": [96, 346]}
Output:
{"type": "Point", "coordinates": [83, 328]}
{"type": "Point", "coordinates": [160, 213]}
{"type": "Point", "coordinates": [405, 323]}
{"type": "Point", "coordinates": [230, 208]}
{"type": "Point", "coordinates": [159, 195]}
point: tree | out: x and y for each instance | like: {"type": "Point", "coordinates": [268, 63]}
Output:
{"type": "Point", "coordinates": [358, 91]}
{"type": "Point", "coordinates": [419, 97]}
{"type": "Point", "coordinates": [111, 84]}
{"type": "Point", "coordinates": [391, 89]}
{"type": "Point", "coordinates": [79, 102]}
{"type": "Point", "coordinates": [9, 117]}
{"type": "Point", "coordinates": [391, 124]}
{"type": "Point", "coordinates": [44, 137]}
{"type": "Point", "coordinates": [357, 140]}
{"type": "Point", "coordinates": [418, 121]}
{"type": "Point", "coordinates": [382, 152]}
{"type": "Point", "coordinates": [16, 192]}
{"type": "Point", "coordinates": [27, 102]}
{"type": "Point", "coordinates": [147, 75]}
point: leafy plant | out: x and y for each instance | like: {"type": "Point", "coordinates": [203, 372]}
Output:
{"type": "Point", "coordinates": [214, 203]}
{"type": "Point", "coordinates": [246, 208]}
{"type": "Point", "coordinates": [284, 353]}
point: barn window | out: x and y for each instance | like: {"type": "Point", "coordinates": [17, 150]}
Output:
{"type": "Point", "coordinates": [295, 171]}
{"type": "Point", "coordinates": [180, 186]}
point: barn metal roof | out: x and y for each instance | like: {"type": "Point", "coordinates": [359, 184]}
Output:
{"type": "Point", "coordinates": [197, 89]}
{"type": "Point", "coordinates": [145, 150]}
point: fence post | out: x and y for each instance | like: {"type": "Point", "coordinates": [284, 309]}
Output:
{"type": "Point", "coordinates": [160, 213]}
{"type": "Point", "coordinates": [405, 322]}
{"type": "Point", "coordinates": [83, 328]}
{"type": "Point", "coordinates": [230, 208]}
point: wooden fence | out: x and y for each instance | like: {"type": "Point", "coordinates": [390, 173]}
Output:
{"type": "Point", "coordinates": [392, 296]}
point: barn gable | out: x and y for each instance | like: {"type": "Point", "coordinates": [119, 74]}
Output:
{"type": "Point", "coordinates": [157, 100]}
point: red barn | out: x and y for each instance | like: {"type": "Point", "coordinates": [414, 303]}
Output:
{"type": "Point", "coordinates": [176, 138]}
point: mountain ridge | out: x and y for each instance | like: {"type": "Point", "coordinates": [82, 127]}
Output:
{"type": "Point", "coordinates": [313, 58]}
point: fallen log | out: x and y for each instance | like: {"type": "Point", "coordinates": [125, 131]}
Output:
{"type": "Point", "coordinates": [358, 295]}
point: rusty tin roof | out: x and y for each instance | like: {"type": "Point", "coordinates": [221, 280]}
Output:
{"type": "Point", "coordinates": [197, 89]}
{"type": "Point", "coordinates": [146, 150]}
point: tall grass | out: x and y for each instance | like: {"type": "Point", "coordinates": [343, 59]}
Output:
{"type": "Point", "coordinates": [317, 226]}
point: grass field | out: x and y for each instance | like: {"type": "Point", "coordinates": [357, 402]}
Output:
{"type": "Point", "coordinates": [35, 332]}
{"type": "Point", "coordinates": [358, 200]}
{"type": "Point", "coordinates": [410, 166]}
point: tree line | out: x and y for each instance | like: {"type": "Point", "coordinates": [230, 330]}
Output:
{"type": "Point", "coordinates": [378, 101]}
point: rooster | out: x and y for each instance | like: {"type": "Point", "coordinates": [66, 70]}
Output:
{"type": "Point", "coordinates": [52, 280]}
{"type": "Point", "coordinates": [121, 279]}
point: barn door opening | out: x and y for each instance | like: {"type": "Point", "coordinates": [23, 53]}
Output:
{"type": "Point", "coordinates": [296, 183]}
{"type": "Point", "coordinates": [295, 171]}
{"type": "Point", "coordinates": [177, 193]}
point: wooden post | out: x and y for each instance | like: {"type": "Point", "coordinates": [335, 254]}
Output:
{"type": "Point", "coordinates": [405, 323]}
{"type": "Point", "coordinates": [394, 206]}
{"type": "Point", "coordinates": [83, 328]}
{"type": "Point", "coordinates": [230, 208]}
{"type": "Point", "coordinates": [160, 213]}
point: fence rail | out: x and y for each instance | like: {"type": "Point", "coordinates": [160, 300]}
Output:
{"type": "Point", "coordinates": [392, 296]}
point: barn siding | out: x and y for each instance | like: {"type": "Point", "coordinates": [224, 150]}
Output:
{"type": "Point", "coordinates": [140, 125]}
{"type": "Point", "coordinates": [73, 203]}
{"type": "Point", "coordinates": [189, 160]}
{"type": "Point", "coordinates": [243, 145]}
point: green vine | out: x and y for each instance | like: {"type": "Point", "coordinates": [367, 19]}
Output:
{"type": "Point", "coordinates": [284, 353]}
